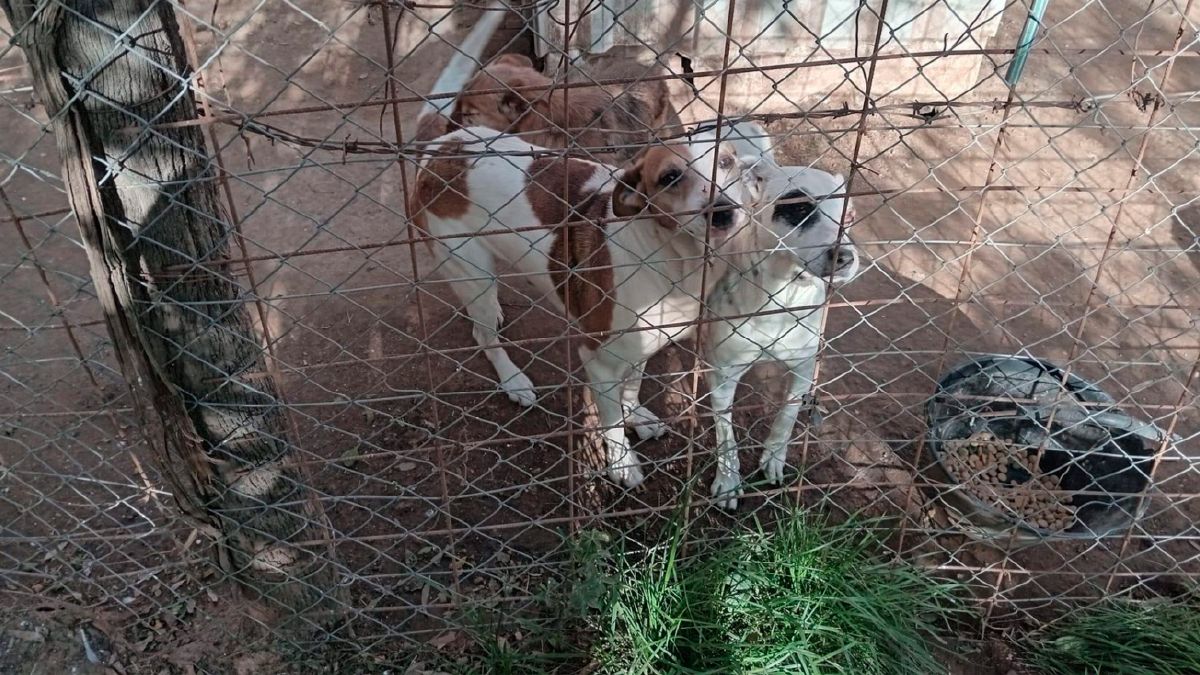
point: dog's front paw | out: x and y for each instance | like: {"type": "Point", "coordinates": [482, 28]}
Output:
{"type": "Point", "coordinates": [627, 471]}
{"type": "Point", "coordinates": [646, 424]}
{"type": "Point", "coordinates": [773, 462]}
{"type": "Point", "coordinates": [816, 414]}
{"type": "Point", "coordinates": [726, 488]}
{"type": "Point", "coordinates": [519, 389]}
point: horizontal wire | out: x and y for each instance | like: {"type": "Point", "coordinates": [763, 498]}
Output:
{"type": "Point", "coordinates": [341, 107]}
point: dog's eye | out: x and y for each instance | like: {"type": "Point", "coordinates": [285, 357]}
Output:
{"type": "Point", "coordinates": [725, 162]}
{"type": "Point", "coordinates": [670, 178]}
{"type": "Point", "coordinates": [795, 209]}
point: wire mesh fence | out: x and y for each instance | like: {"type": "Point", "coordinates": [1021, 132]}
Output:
{"type": "Point", "coordinates": [1048, 212]}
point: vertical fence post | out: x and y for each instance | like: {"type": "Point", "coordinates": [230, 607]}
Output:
{"type": "Point", "coordinates": [158, 247]}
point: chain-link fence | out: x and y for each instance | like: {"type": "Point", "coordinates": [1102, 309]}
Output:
{"type": "Point", "coordinates": [1054, 218]}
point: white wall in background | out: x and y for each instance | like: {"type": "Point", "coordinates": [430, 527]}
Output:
{"type": "Point", "coordinates": [767, 32]}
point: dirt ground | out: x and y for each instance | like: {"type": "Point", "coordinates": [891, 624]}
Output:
{"type": "Point", "coordinates": [443, 494]}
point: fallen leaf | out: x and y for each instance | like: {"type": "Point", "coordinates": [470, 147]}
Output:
{"type": "Point", "coordinates": [350, 458]}
{"type": "Point", "coordinates": [97, 646]}
{"type": "Point", "coordinates": [444, 639]}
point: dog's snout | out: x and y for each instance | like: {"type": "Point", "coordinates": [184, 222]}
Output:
{"type": "Point", "coordinates": [842, 256]}
{"type": "Point", "coordinates": [843, 262]}
{"type": "Point", "coordinates": [722, 214]}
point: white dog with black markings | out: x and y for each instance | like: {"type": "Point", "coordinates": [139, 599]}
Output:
{"type": "Point", "coordinates": [622, 250]}
{"type": "Point", "coordinates": [770, 305]}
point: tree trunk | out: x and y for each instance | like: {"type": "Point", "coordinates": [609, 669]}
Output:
{"type": "Point", "coordinates": [146, 203]}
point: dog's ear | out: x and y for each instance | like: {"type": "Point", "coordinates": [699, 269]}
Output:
{"type": "Point", "coordinates": [628, 200]}
{"type": "Point", "coordinates": [850, 215]}
{"type": "Point", "coordinates": [756, 171]}
{"type": "Point", "coordinates": [754, 134]}
{"type": "Point", "coordinates": [513, 105]}
{"type": "Point", "coordinates": [515, 60]}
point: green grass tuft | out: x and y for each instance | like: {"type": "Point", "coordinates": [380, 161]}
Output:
{"type": "Point", "coordinates": [1122, 637]}
{"type": "Point", "coordinates": [805, 598]}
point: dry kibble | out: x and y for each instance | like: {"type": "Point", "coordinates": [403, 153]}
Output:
{"type": "Point", "coordinates": [983, 463]}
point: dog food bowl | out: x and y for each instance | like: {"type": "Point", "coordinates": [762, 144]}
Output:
{"type": "Point", "coordinates": [1035, 452]}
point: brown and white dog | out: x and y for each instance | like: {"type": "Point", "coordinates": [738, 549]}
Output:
{"type": "Point", "coordinates": [607, 125]}
{"type": "Point", "coordinates": [624, 252]}
{"type": "Point", "coordinates": [434, 119]}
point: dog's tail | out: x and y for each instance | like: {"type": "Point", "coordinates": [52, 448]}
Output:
{"type": "Point", "coordinates": [466, 60]}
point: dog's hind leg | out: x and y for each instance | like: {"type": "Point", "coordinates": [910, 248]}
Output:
{"type": "Point", "coordinates": [722, 385]}
{"type": "Point", "coordinates": [469, 271]}
{"type": "Point", "coordinates": [645, 423]}
{"type": "Point", "coordinates": [774, 457]}
{"type": "Point", "coordinates": [608, 383]}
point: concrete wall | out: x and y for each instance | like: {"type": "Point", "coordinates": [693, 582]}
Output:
{"type": "Point", "coordinates": [772, 32]}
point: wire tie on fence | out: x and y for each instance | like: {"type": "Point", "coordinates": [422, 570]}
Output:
{"type": "Point", "coordinates": [402, 5]}
{"type": "Point", "coordinates": [249, 152]}
{"type": "Point", "coordinates": [928, 113]}
{"type": "Point", "coordinates": [1146, 100]}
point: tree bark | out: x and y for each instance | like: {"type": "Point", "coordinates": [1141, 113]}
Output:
{"type": "Point", "coordinates": [147, 208]}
